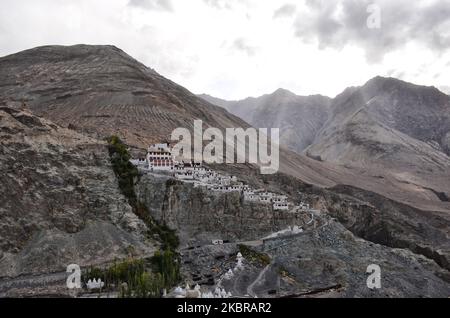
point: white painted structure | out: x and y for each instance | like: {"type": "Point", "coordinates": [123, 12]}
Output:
{"type": "Point", "coordinates": [143, 163]}
{"type": "Point", "coordinates": [160, 158]}
{"type": "Point", "coordinates": [226, 188]}
{"type": "Point", "coordinates": [265, 198]}
{"type": "Point", "coordinates": [281, 206]}
{"type": "Point", "coordinates": [187, 175]}
{"type": "Point", "coordinates": [251, 196]}
{"type": "Point", "coordinates": [279, 199]}
{"type": "Point", "coordinates": [94, 284]}
{"type": "Point", "coordinates": [304, 206]}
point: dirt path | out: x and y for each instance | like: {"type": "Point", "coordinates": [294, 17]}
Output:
{"type": "Point", "coordinates": [258, 279]}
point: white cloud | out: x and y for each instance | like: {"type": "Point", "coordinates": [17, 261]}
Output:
{"type": "Point", "coordinates": [286, 10]}
{"type": "Point", "coordinates": [232, 49]}
{"type": "Point", "coordinates": [152, 4]}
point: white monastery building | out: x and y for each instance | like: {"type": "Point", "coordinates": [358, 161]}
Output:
{"type": "Point", "coordinates": [160, 158]}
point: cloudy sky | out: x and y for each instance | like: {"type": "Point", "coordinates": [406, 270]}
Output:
{"type": "Point", "coordinates": [238, 48]}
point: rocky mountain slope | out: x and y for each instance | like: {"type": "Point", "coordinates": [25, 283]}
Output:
{"type": "Point", "coordinates": [103, 91]}
{"type": "Point", "coordinates": [326, 254]}
{"type": "Point", "coordinates": [60, 201]}
{"type": "Point", "coordinates": [100, 90]}
{"type": "Point", "coordinates": [298, 117]}
{"type": "Point", "coordinates": [419, 112]}
{"type": "Point", "coordinates": [387, 118]}
{"type": "Point", "coordinates": [387, 128]}
{"type": "Point", "coordinates": [397, 128]}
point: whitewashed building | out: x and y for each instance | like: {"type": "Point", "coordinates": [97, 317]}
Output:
{"type": "Point", "coordinates": [142, 163]}
{"type": "Point", "coordinates": [160, 157]}
{"type": "Point", "coordinates": [186, 175]}
{"type": "Point", "coordinates": [281, 206]}
{"type": "Point", "coordinates": [279, 199]}
{"type": "Point", "coordinates": [226, 188]}
{"type": "Point", "coordinates": [251, 196]}
{"type": "Point", "coordinates": [266, 197]}
{"type": "Point", "coordinates": [304, 206]}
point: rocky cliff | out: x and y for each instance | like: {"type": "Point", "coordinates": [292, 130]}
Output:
{"type": "Point", "coordinates": [201, 215]}
{"type": "Point", "coordinates": [325, 260]}
{"type": "Point", "coordinates": [60, 200]}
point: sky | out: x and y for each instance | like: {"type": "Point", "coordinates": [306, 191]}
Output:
{"type": "Point", "coordinates": [233, 49]}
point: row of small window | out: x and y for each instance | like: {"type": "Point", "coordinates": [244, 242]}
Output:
{"type": "Point", "coordinates": [162, 164]}
{"type": "Point", "coordinates": [160, 154]}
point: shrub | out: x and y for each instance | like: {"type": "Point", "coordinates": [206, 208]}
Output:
{"type": "Point", "coordinates": [165, 265]}
{"type": "Point", "coordinates": [254, 256]}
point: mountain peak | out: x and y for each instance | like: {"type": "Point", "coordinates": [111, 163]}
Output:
{"type": "Point", "coordinates": [71, 50]}
{"type": "Point", "coordinates": [383, 79]}
{"type": "Point", "coordinates": [78, 54]}
{"type": "Point", "coordinates": [91, 87]}
{"type": "Point", "coordinates": [388, 83]}
{"type": "Point", "coordinates": [283, 92]}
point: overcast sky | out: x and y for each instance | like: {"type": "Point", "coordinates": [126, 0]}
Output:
{"type": "Point", "coordinates": [238, 48]}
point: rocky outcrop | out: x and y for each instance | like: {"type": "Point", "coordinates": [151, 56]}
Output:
{"type": "Point", "coordinates": [335, 249]}
{"type": "Point", "coordinates": [60, 200]}
{"type": "Point", "coordinates": [386, 222]}
{"type": "Point", "coordinates": [331, 256]}
{"type": "Point", "coordinates": [201, 215]}
{"type": "Point", "coordinates": [375, 218]}
{"type": "Point", "coordinates": [61, 203]}
{"type": "Point", "coordinates": [324, 261]}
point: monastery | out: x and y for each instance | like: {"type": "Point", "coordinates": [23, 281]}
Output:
{"type": "Point", "coordinates": [160, 159]}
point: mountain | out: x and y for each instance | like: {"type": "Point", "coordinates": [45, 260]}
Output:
{"type": "Point", "coordinates": [103, 91]}
{"type": "Point", "coordinates": [216, 101]}
{"type": "Point", "coordinates": [100, 91]}
{"type": "Point", "coordinates": [390, 129]}
{"type": "Point", "coordinates": [387, 113]}
{"type": "Point", "coordinates": [298, 117]}
{"type": "Point", "coordinates": [61, 204]}
{"type": "Point", "coordinates": [393, 126]}
{"type": "Point", "coordinates": [61, 200]}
